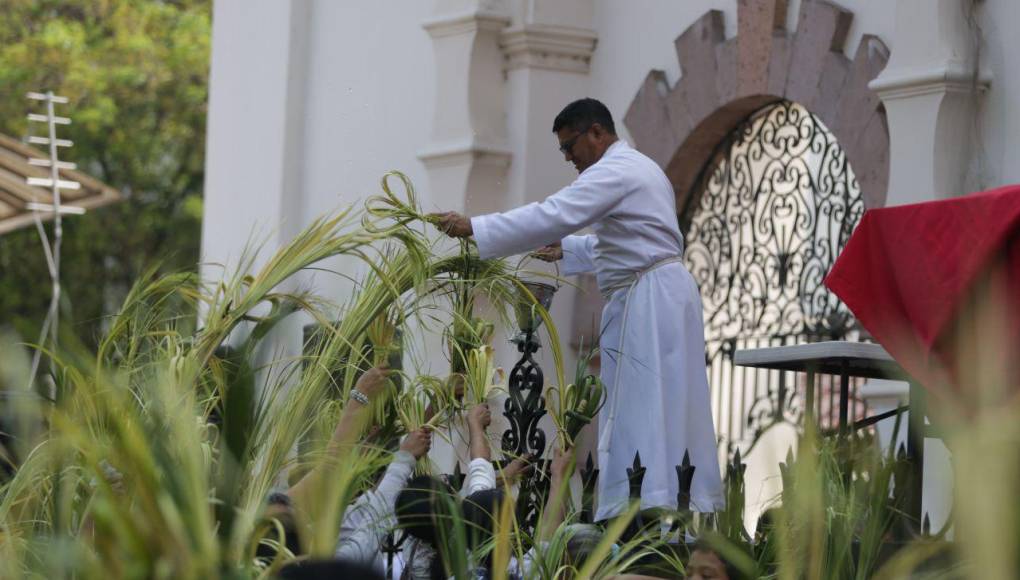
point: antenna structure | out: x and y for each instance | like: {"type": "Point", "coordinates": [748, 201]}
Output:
{"type": "Point", "coordinates": [55, 184]}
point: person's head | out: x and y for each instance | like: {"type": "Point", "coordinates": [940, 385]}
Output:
{"type": "Point", "coordinates": [706, 564]}
{"type": "Point", "coordinates": [426, 509]}
{"type": "Point", "coordinates": [581, 542]}
{"type": "Point", "coordinates": [279, 517]}
{"type": "Point", "coordinates": [481, 509]}
{"type": "Point", "coordinates": [585, 129]}
{"type": "Point", "coordinates": [327, 570]}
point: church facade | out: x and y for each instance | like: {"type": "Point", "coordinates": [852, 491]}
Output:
{"type": "Point", "coordinates": [805, 111]}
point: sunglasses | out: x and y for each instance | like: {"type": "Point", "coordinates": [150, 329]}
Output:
{"type": "Point", "coordinates": [568, 145]}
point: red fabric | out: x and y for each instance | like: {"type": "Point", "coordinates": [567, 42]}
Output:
{"type": "Point", "coordinates": [907, 269]}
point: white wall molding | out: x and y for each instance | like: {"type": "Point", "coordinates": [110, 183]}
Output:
{"type": "Point", "coordinates": [468, 155]}
{"type": "Point", "coordinates": [952, 77]}
{"type": "Point", "coordinates": [445, 154]}
{"type": "Point", "coordinates": [549, 47]}
{"type": "Point", "coordinates": [466, 23]}
{"type": "Point", "coordinates": [930, 90]}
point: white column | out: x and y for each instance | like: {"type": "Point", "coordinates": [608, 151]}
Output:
{"type": "Point", "coordinates": [930, 89]}
{"type": "Point", "coordinates": [252, 180]}
{"type": "Point", "coordinates": [253, 124]}
{"type": "Point", "coordinates": [468, 155]}
{"type": "Point", "coordinates": [547, 52]}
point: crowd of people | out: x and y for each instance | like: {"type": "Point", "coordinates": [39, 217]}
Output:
{"type": "Point", "coordinates": [426, 510]}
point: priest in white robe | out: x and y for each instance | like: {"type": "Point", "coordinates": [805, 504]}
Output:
{"type": "Point", "coordinates": [652, 338]}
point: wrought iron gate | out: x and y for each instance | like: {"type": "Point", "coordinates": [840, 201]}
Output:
{"type": "Point", "coordinates": [771, 211]}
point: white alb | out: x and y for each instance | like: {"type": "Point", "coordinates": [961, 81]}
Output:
{"type": "Point", "coordinates": [652, 338]}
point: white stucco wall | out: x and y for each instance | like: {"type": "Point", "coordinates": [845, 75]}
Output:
{"type": "Point", "coordinates": [996, 159]}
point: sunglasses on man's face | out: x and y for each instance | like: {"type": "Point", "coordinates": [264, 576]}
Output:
{"type": "Point", "coordinates": [568, 145]}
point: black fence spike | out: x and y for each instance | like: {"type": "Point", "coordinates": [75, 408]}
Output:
{"type": "Point", "coordinates": [685, 476]}
{"type": "Point", "coordinates": [635, 476]}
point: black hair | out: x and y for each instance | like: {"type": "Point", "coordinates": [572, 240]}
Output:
{"type": "Point", "coordinates": [327, 570]}
{"type": "Point", "coordinates": [582, 114]}
{"type": "Point", "coordinates": [285, 517]}
{"type": "Point", "coordinates": [481, 509]}
{"type": "Point", "coordinates": [733, 572]}
{"type": "Point", "coordinates": [425, 509]}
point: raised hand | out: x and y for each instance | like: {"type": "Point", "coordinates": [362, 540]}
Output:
{"type": "Point", "coordinates": [518, 467]}
{"type": "Point", "coordinates": [417, 443]}
{"type": "Point", "coordinates": [480, 416]}
{"type": "Point", "coordinates": [372, 382]}
{"type": "Point", "coordinates": [562, 463]}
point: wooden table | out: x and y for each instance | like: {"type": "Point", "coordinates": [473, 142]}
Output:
{"type": "Point", "coordinates": [852, 359]}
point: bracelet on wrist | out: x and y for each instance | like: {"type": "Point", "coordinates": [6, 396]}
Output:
{"type": "Point", "coordinates": [359, 397]}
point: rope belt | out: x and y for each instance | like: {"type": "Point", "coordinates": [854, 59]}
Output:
{"type": "Point", "coordinates": [606, 435]}
{"type": "Point", "coordinates": [633, 277]}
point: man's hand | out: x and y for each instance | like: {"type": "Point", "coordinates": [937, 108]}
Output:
{"type": "Point", "coordinates": [372, 382]}
{"type": "Point", "coordinates": [562, 463]}
{"type": "Point", "coordinates": [452, 224]}
{"type": "Point", "coordinates": [549, 253]}
{"type": "Point", "coordinates": [417, 443]}
{"type": "Point", "coordinates": [479, 417]}
{"type": "Point", "coordinates": [518, 467]}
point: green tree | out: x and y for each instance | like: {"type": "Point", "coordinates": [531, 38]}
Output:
{"type": "Point", "coordinates": [136, 74]}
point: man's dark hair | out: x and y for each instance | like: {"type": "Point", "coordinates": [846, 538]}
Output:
{"type": "Point", "coordinates": [481, 509]}
{"type": "Point", "coordinates": [426, 508]}
{"type": "Point", "coordinates": [582, 114]}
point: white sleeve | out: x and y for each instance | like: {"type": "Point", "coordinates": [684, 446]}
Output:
{"type": "Point", "coordinates": [480, 476]}
{"type": "Point", "coordinates": [578, 254]}
{"type": "Point", "coordinates": [372, 515]}
{"type": "Point", "coordinates": [585, 201]}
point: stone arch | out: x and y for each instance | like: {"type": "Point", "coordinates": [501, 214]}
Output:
{"type": "Point", "coordinates": [723, 81]}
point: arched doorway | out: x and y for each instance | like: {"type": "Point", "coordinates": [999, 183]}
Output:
{"type": "Point", "coordinates": [771, 210]}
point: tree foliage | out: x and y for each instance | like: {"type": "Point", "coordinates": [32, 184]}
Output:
{"type": "Point", "coordinates": [136, 74]}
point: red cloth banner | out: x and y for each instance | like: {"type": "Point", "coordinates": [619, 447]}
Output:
{"type": "Point", "coordinates": [907, 271]}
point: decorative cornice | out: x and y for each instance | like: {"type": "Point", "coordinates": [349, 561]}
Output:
{"type": "Point", "coordinates": [949, 77]}
{"type": "Point", "coordinates": [558, 48]}
{"type": "Point", "coordinates": [450, 153]}
{"type": "Point", "coordinates": [465, 22]}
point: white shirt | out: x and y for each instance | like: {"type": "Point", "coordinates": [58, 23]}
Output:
{"type": "Point", "coordinates": [373, 514]}
{"type": "Point", "coordinates": [625, 198]}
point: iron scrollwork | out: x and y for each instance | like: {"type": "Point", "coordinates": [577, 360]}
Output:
{"type": "Point", "coordinates": [523, 409]}
{"type": "Point", "coordinates": [524, 406]}
{"type": "Point", "coordinates": [772, 210]}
